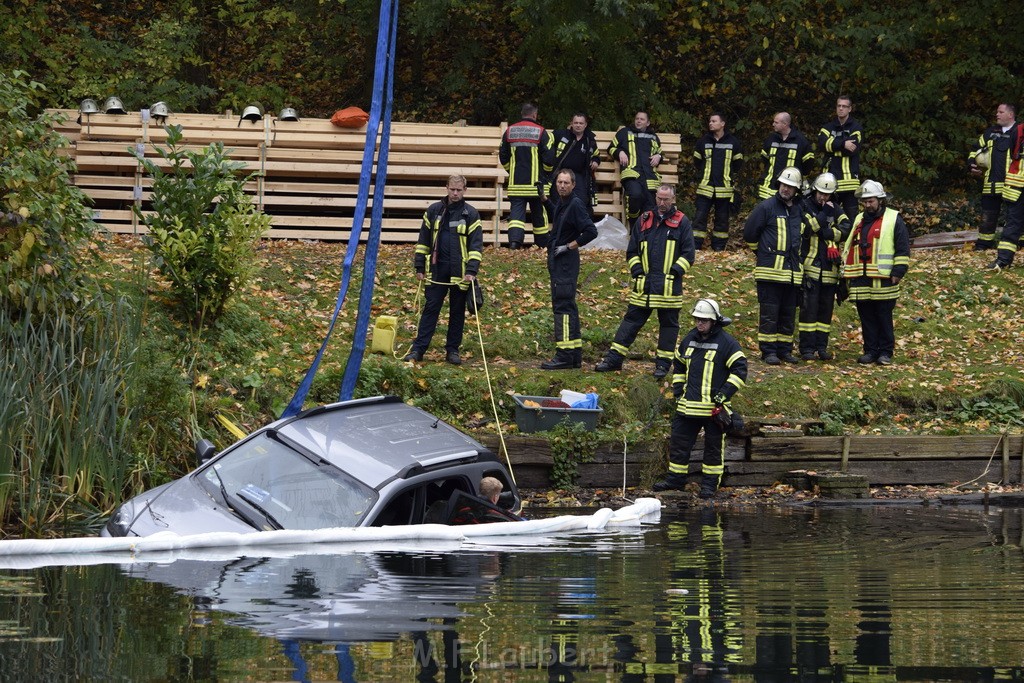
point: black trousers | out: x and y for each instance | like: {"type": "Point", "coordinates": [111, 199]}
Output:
{"type": "Point", "coordinates": [816, 307]}
{"type": "Point", "coordinates": [633, 322]}
{"type": "Point", "coordinates": [638, 198]}
{"type": "Point", "coordinates": [434, 295]}
{"type": "Point", "coordinates": [848, 200]}
{"type": "Point", "coordinates": [565, 271]}
{"type": "Point", "coordinates": [517, 220]}
{"type": "Point", "coordinates": [876, 326]}
{"type": "Point", "coordinates": [777, 304]}
{"type": "Point", "coordinates": [1012, 232]}
{"type": "Point", "coordinates": [684, 435]}
{"type": "Point", "coordinates": [720, 236]}
{"type": "Point", "coordinates": [990, 207]}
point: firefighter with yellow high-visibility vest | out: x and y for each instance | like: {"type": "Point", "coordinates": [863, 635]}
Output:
{"type": "Point", "coordinates": [876, 257]}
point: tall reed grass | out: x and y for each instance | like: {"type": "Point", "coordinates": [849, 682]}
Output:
{"type": "Point", "coordinates": [66, 414]}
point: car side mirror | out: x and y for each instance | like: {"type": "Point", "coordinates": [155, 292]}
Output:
{"type": "Point", "coordinates": [204, 450]}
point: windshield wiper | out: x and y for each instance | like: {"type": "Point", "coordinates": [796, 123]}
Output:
{"type": "Point", "coordinates": [227, 501]}
{"type": "Point", "coordinates": [274, 524]}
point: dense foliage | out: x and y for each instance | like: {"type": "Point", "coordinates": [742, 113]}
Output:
{"type": "Point", "coordinates": [203, 226]}
{"type": "Point", "coordinates": [925, 75]}
{"type": "Point", "coordinates": [43, 216]}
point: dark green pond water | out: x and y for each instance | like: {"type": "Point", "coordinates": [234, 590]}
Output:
{"type": "Point", "coordinates": [845, 594]}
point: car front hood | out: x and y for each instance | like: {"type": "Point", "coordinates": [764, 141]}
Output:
{"type": "Point", "coordinates": [183, 507]}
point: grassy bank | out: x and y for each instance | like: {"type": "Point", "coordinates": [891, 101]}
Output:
{"type": "Point", "coordinates": [959, 364]}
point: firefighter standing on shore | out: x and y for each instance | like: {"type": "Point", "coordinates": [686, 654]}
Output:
{"type": "Point", "coordinates": [825, 227]}
{"type": "Point", "coordinates": [660, 252]}
{"type": "Point", "coordinates": [991, 160]}
{"type": "Point", "coordinates": [773, 231]}
{"type": "Point", "coordinates": [717, 157]}
{"type": "Point", "coordinates": [525, 154]}
{"type": "Point", "coordinates": [876, 256]}
{"type": "Point", "coordinates": [637, 150]}
{"type": "Point", "coordinates": [708, 369]}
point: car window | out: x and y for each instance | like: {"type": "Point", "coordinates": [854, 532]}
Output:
{"type": "Point", "coordinates": [272, 480]}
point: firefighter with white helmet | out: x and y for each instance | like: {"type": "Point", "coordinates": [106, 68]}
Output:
{"type": "Point", "coordinates": [876, 256]}
{"type": "Point", "coordinates": [825, 227]}
{"type": "Point", "coordinates": [708, 369]}
{"type": "Point", "coordinates": [991, 161]}
{"type": "Point", "coordinates": [772, 231]}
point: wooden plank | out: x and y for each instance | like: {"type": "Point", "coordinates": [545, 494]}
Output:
{"type": "Point", "coordinates": [862, 447]}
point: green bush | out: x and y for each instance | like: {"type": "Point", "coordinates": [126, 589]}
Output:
{"type": "Point", "coordinates": [43, 216]}
{"type": "Point", "coordinates": [203, 226]}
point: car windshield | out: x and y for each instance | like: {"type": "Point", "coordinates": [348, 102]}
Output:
{"type": "Point", "coordinates": [269, 483]}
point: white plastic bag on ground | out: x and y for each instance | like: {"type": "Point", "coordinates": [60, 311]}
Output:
{"type": "Point", "coordinates": [611, 234]}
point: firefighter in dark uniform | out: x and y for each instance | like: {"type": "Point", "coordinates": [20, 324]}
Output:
{"type": "Point", "coordinates": [708, 369]}
{"type": "Point", "coordinates": [772, 231]}
{"type": "Point", "coordinates": [525, 154]}
{"type": "Point", "coordinates": [448, 253]}
{"type": "Point", "coordinates": [576, 149]}
{"type": "Point", "coordinates": [785, 148]}
{"type": "Point", "coordinates": [637, 150]}
{"type": "Point", "coordinates": [1012, 238]}
{"type": "Point", "coordinates": [991, 160]}
{"type": "Point", "coordinates": [876, 257]}
{"type": "Point", "coordinates": [825, 227]}
{"type": "Point", "coordinates": [717, 157]}
{"type": "Point", "coordinates": [660, 252]}
{"type": "Point", "coordinates": [572, 227]}
{"type": "Point", "coordinates": [841, 140]}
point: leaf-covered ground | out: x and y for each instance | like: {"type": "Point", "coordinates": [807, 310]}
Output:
{"type": "Point", "coordinates": [958, 369]}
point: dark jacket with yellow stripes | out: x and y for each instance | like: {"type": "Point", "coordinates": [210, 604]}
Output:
{"type": "Point", "coordinates": [839, 161]}
{"type": "Point", "coordinates": [706, 367]}
{"type": "Point", "coordinates": [525, 152]}
{"type": "Point", "coordinates": [717, 162]}
{"type": "Point", "coordinates": [660, 252]}
{"type": "Point", "coordinates": [824, 226]}
{"type": "Point", "coordinates": [639, 146]}
{"type": "Point", "coordinates": [1000, 146]}
{"type": "Point", "coordinates": [779, 154]}
{"type": "Point", "coordinates": [772, 231]}
{"type": "Point", "coordinates": [451, 235]}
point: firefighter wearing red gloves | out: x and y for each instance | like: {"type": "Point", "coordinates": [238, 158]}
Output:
{"type": "Point", "coordinates": [708, 369]}
{"type": "Point", "coordinates": [825, 226]}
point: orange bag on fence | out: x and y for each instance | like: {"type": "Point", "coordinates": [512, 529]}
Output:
{"type": "Point", "coordinates": [350, 117]}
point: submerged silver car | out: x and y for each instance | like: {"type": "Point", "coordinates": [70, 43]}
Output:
{"type": "Point", "coordinates": [367, 462]}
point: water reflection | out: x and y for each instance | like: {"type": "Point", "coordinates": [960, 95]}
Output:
{"type": "Point", "coordinates": [864, 594]}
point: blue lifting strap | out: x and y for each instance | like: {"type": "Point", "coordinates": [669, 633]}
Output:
{"type": "Point", "coordinates": [382, 96]}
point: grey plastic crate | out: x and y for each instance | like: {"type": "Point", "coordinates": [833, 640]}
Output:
{"type": "Point", "coordinates": [541, 419]}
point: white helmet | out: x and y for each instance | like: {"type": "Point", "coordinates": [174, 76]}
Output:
{"type": "Point", "coordinates": [825, 183]}
{"type": "Point", "coordinates": [159, 109]}
{"type": "Point", "coordinates": [791, 176]}
{"type": "Point", "coordinates": [982, 158]}
{"type": "Point", "coordinates": [113, 105]}
{"type": "Point", "coordinates": [706, 309]}
{"type": "Point", "coordinates": [288, 114]}
{"type": "Point", "coordinates": [871, 188]}
{"type": "Point", "coordinates": [88, 106]}
{"type": "Point", "coordinates": [253, 113]}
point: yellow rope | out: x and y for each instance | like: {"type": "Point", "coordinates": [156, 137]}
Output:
{"type": "Point", "coordinates": [490, 390]}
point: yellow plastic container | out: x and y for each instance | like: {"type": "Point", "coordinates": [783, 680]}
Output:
{"type": "Point", "coordinates": [383, 338]}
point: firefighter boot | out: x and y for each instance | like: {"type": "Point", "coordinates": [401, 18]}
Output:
{"type": "Point", "coordinates": [708, 486]}
{"type": "Point", "coordinates": [672, 482]}
{"type": "Point", "coordinates": [613, 361]}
